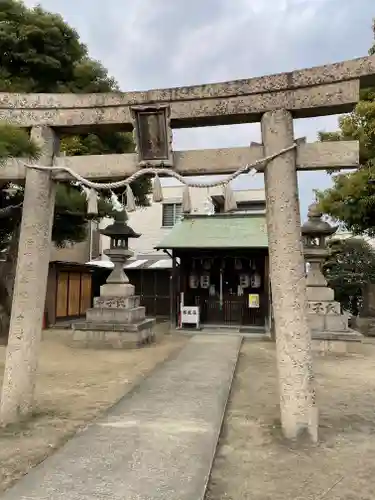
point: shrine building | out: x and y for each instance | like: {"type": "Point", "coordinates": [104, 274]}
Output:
{"type": "Point", "coordinates": [220, 265]}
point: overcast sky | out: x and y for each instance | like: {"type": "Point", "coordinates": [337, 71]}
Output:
{"type": "Point", "coordinates": [164, 43]}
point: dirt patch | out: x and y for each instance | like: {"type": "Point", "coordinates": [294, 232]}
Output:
{"type": "Point", "coordinates": [73, 387]}
{"type": "Point", "coordinates": [254, 462]}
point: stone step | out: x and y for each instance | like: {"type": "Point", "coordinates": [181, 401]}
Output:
{"type": "Point", "coordinates": [113, 335]}
{"type": "Point", "coordinates": [117, 302]}
{"type": "Point", "coordinates": [112, 315]}
{"type": "Point", "coordinates": [142, 325]}
{"type": "Point", "coordinates": [118, 327]}
{"type": "Point", "coordinates": [343, 336]}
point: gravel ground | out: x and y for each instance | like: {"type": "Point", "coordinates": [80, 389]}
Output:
{"type": "Point", "coordinates": [254, 462]}
{"type": "Point", "coordinates": [73, 387]}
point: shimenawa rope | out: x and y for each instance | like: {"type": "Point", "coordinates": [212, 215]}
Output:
{"type": "Point", "coordinates": [230, 202]}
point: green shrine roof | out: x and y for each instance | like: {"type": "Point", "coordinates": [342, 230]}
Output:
{"type": "Point", "coordinates": [218, 231]}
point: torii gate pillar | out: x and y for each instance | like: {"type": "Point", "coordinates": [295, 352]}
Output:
{"type": "Point", "coordinates": [30, 283]}
{"type": "Point", "coordinates": [287, 271]}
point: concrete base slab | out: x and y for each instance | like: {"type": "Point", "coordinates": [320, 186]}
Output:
{"type": "Point", "coordinates": [157, 443]}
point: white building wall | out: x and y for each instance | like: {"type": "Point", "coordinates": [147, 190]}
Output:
{"type": "Point", "coordinates": [148, 220]}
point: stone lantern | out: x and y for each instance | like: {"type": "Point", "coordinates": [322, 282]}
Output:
{"type": "Point", "coordinates": [315, 232]}
{"type": "Point", "coordinates": [119, 233]}
{"type": "Point", "coordinates": [117, 318]}
{"type": "Point", "coordinates": [324, 313]}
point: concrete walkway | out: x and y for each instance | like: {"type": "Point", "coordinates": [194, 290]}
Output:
{"type": "Point", "coordinates": [157, 443]}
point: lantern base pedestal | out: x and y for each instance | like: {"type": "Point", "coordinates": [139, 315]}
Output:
{"type": "Point", "coordinates": [116, 321]}
{"type": "Point", "coordinates": [330, 322]}
{"type": "Point", "coordinates": [320, 294]}
{"type": "Point", "coordinates": [117, 290]}
{"type": "Point", "coordinates": [325, 318]}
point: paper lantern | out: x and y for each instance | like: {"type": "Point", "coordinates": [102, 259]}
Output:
{"type": "Point", "coordinates": [205, 281]}
{"type": "Point", "coordinates": [244, 280]}
{"type": "Point", "coordinates": [193, 281]}
{"type": "Point", "coordinates": [256, 280]}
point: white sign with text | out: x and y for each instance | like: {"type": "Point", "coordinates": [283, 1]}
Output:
{"type": "Point", "coordinates": [190, 316]}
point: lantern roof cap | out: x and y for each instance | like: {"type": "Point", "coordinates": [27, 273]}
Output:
{"type": "Point", "coordinates": [315, 226]}
{"type": "Point", "coordinates": [119, 227]}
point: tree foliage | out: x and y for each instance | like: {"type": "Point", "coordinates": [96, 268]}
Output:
{"type": "Point", "coordinates": [349, 267]}
{"type": "Point", "coordinates": [16, 142]}
{"type": "Point", "coordinates": [13, 142]}
{"type": "Point", "coordinates": [351, 199]}
{"type": "Point", "coordinates": [40, 52]}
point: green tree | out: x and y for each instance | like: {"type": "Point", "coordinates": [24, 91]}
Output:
{"type": "Point", "coordinates": [351, 199]}
{"type": "Point", "coordinates": [349, 267]}
{"type": "Point", "coordinates": [40, 52]}
{"type": "Point", "coordinates": [13, 142]}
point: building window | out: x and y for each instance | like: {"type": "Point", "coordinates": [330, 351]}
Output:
{"type": "Point", "coordinates": [251, 206]}
{"type": "Point", "coordinates": [172, 213]}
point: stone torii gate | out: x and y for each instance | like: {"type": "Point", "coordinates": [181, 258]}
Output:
{"type": "Point", "coordinates": [274, 101]}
